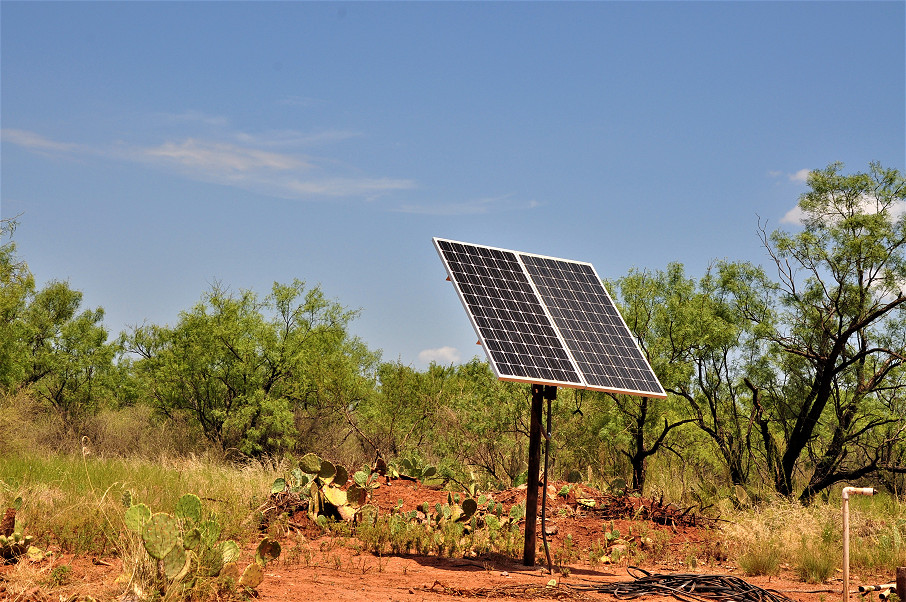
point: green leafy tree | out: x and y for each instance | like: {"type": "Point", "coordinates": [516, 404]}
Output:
{"type": "Point", "coordinates": [401, 415]}
{"type": "Point", "coordinates": [697, 339]}
{"type": "Point", "coordinates": [17, 284]}
{"type": "Point", "coordinates": [46, 343]}
{"type": "Point", "coordinates": [253, 373]}
{"type": "Point", "coordinates": [842, 342]}
{"type": "Point", "coordinates": [69, 356]}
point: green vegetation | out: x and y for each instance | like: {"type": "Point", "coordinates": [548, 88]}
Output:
{"type": "Point", "coordinates": [784, 382]}
{"type": "Point", "coordinates": [789, 377]}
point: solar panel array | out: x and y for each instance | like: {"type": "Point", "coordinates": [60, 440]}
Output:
{"type": "Point", "coordinates": [546, 320]}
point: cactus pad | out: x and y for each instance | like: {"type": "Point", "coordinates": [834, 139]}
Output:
{"type": "Point", "coordinates": [210, 532]}
{"type": "Point", "coordinates": [136, 517]}
{"type": "Point", "coordinates": [175, 562]}
{"type": "Point", "coordinates": [252, 576]}
{"type": "Point", "coordinates": [334, 496]}
{"type": "Point", "coordinates": [268, 550]}
{"type": "Point", "coordinates": [341, 476]}
{"type": "Point", "coordinates": [229, 551]}
{"type": "Point", "coordinates": [368, 514]}
{"type": "Point", "coordinates": [469, 507]}
{"type": "Point", "coordinates": [191, 539]}
{"type": "Point", "coordinates": [231, 571]}
{"type": "Point", "coordinates": [310, 464]}
{"type": "Point", "coordinates": [188, 509]}
{"type": "Point", "coordinates": [356, 495]}
{"type": "Point", "coordinates": [327, 471]}
{"type": "Point", "coordinates": [160, 535]}
{"type": "Point", "coordinates": [360, 478]}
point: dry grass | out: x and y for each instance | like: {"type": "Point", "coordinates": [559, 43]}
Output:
{"type": "Point", "coordinates": [809, 539]}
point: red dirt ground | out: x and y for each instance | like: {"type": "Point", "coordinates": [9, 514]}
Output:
{"type": "Point", "coordinates": [323, 567]}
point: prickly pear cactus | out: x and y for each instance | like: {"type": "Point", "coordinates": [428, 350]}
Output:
{"type": "Point", "coordinates": [14, 546]}
{"type": "Point", "coordinates": [229, 551]}
{"type": "Point", "coordinates": [356, 495]}
{"type": "Point", "coordinates": [191, 539]}
{"type": "Point", "coordinates": [185, 547]}
{"type": "Point", "coordinates": [210, 533]}
{"type": "Point", "coordinates": [327, 472]}
{"type": "Point", "coordinates": [160, 535]}
{"type": "Point", "coordinates": [469, 507]}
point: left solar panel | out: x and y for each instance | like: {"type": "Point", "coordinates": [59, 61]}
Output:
{"type": "Point", "coordinates": [521, 343]}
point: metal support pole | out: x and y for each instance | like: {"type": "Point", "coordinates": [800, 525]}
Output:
{"type": "Point", "coordinates": [534, 462]}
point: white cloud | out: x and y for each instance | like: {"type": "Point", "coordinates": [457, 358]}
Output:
{"type": "Point", "coordinates": [794, 216]}
{"type": "Point", "coordinates": [220, 157]}
{"type": "Point", "coordinates": [800, 176]}
{"type": "Point", "coordinates": [295, 138]}
{"type": "Point", "coordinates": [347, 186]}
{"type": "Point", "coordinates": [247, 161]}
{"type": "Point", "coordinates": [36, 142]}
{"type": "Point", "coordinates": [441, 355]}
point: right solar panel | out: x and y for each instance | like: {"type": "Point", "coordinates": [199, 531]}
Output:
{"type": "Point", "coordinates": [591, 327]}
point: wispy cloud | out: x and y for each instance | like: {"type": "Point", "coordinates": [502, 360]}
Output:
{"type": "Point", "coordinates": [262, 163]}
{"type": "Point", "coordinates": [348, 186]}
{"type": "Point", "coordinates": [295, 138]}
{"type": "Point", "coordinates": [36, 142]}
{"type": "Point", "coordinates": [800, 176]}
{"type": "Point", "coordinates": [795, 216]}
{"type": "Point", "coordinates": [480, 206]}
{"type": "Point", "coordinates": [441, 355]}
{"type": "Point", "coordinates": [218, 157]}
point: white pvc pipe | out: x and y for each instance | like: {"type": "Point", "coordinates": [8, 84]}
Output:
{"type": "Point", "coordinates": [847, 491]}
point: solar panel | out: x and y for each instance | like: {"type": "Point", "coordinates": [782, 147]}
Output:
{"type": "Point", "coordinates": [547, 321]}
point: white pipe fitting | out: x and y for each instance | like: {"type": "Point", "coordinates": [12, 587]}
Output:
{"type": "Point", "coordinates": [847, 491]}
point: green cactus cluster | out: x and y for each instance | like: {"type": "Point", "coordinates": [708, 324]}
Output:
{"type": "Point", "coordinates": [186, 546]}
{"type": "Point", "coordinates": [320, 484]}
{"type": "Point", "coordinates": [414, 469]}
{"type": "Point", "coordinates": [463, 525]}
{"type": "Point", "coordinates": [15, 545]}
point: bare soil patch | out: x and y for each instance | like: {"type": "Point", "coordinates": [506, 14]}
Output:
{"type": "Point", "coordinates": [319, 566]}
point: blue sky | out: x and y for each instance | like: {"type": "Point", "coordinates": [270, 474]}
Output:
{"type": "Point", "coordinates": [151, 149]}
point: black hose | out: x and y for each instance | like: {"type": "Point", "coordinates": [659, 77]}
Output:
{"type": "Point", "coordinates": [547, 445]}
{"type": "Point", "coordinates": [700, 588]}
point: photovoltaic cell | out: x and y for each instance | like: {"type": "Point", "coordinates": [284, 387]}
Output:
{"type": "Point", "coordinates": [546, 320]}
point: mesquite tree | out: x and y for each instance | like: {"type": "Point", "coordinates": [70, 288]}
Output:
{"type": "Point", "coordinates": [842, 340]}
